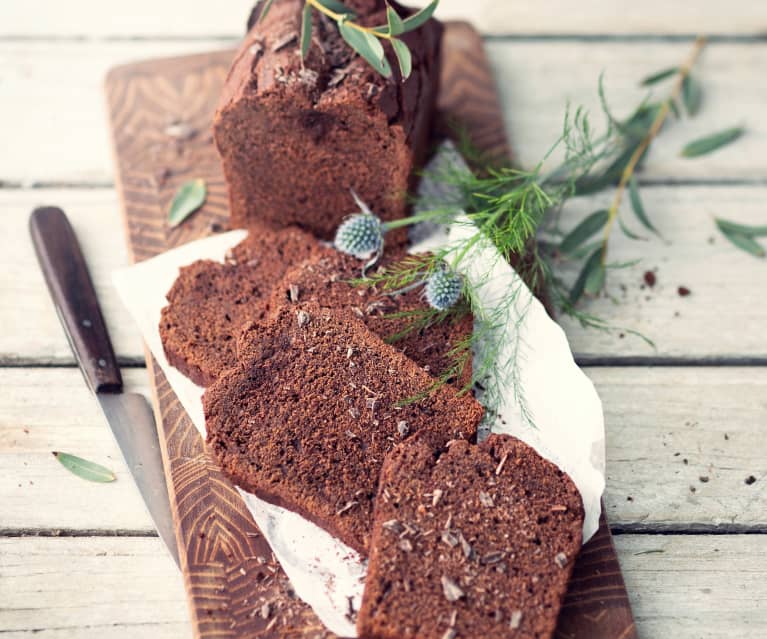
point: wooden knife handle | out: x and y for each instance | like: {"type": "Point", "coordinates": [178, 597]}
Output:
{"type": "Point", "coordinates": [71, 288]}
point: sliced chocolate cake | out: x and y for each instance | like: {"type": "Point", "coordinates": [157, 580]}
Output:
{"type": "Point", "coordinates": [326, 281]}
{"type": "Point", "coordinates": [305, 419]}
{"type": "Point", "coordinates": [295, 136]}
{"type": "Point", "coordinates": [209, 302]}
{"type": "Point", "coordinates": [469, 541]}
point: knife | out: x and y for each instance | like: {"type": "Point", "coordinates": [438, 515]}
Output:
{"type": "Point", "coordinates": [128, 414]}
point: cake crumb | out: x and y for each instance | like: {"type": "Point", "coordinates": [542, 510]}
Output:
{"type": "Point", "coordinates": [451, 589]}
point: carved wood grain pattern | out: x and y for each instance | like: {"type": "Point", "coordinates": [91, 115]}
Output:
{"type": "Point", "coordinates": [236, 589]}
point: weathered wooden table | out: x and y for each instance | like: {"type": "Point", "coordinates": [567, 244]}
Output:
{"type": "Point", "coordinates": [687, 453]}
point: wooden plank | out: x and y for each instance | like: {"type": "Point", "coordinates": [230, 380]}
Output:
{"type": "Point", "coordinates": [116, 587]}
{"type": "Point", "coordinates": [42, 410]}
{"type": "Point", "coordinates": [32, 331]}
{"type": "Point", "coordinates": [702, 331]}
{"type": "Point", "coordinates": [651, 415]}
{"type": "Point", "coordinates": [701, 587]}
{"type": "Point", "coordinates": [173, 18]}
{"type": "Point", "coordinates": [724, 315]}
{"type": "Point", "coordinates": [44, 100]}
{"type": "Point", "coordinates": [686, 587]}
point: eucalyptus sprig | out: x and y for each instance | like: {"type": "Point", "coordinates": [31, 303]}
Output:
{"type": "Point", "coordinates": [366, 41]}
{"type": "Point", "coordinates": [520, 210]}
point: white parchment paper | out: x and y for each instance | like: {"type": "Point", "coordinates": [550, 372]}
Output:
{"type": "Point", "coordinates": [565, 409]}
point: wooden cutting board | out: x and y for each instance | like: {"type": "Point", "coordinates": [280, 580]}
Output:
{"type": "Point", "coordinates": [160, 112]}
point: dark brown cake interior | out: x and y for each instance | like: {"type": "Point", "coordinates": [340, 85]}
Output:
{"type": "Point", "coordinates": [472, 541]}
{"type": "Point", "coordinates": [209, 302]}
{"type": "Point", "coordinates": [326, 281]}
{"type": "Point", "coordinates": [307, 416]}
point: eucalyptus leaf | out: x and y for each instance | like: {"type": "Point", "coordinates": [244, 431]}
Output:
{"type": "Point", "coordinates": [638, 207]}
{"type": "Point", "coordinates": [583, 231]}
{"type": "Point", "coordinates": [627, 231]}
{"type": "Point", "coordinates": [189, 197]}
{"type": "Point", "coordinates": [403, 57]}
{"type": "Point", "coordinates": [674, 108]}
{"type": "Point", "coordinates": [589, 275]}
{"type": "Point", "coordinates": [692, 94]}
{"type": "Point", "coordinates": [745, 243]}
{"type": "Point", "coordinates": [306, 30]}
{"type": "Point", "coordinates": [596, 278]}
{"type": "Point", "coordinates": [637, 125]}
{"type": "Point", "coordinates": [265, 9]}
{"type": "Point", "coordinates": [367, 45]}
{"type": "Point", "coordinates": [659, 76]}
{"type": "Point", "coordinates": [417, 19]}
{"type": "Point", "coordinates": [396, 26]}
{"type": "Point", "coordinates": [743, 229]}
{"type": "Point", "coordinates": [712, 142]}
{"type": "Point", "coordinates": [610, 176]}
{"type": "Point", "coordinates": [337, 7]}
{"type": "Point", "coordinates": [586, 250]}
{"type": "Point", "coordinates": [85, 469]}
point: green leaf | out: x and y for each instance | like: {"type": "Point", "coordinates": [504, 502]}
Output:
{"type": "Point", "coordinates": [396, 26]}
{"type": "Point", "coordinates": [306, 30]}
{"type": "Point", "coordinates": [265, 10]}
{"type": "Point", "coordinates": [712, 142]}
{"type": "Point", "coordinates": [337, 7]}
{"type": "Point", "coordinates": [367, 45]}
{"type": "Point", "coordinates": [743, 229]}
{"type": "Point", "coordinates": [84, 468]}
{"type": "Point", "coordinates": [596, 279]}
{"type": "Point", "coordinates": [627, 231]}
{"type": "Point", "coordinates": [403, 57]}
{"type": "Point", "coordinates": [692, 94]}
{"type": "Point", "coordinates": [745, 243]}
{"type": "Point", "coordinates": [417, 19]}
{"type": "Point", "coordinates": [638, 124]}
{"type": "Point", "coordinates": [659, 76]}
{"type": "Point", "coordinates": [591, 275]}
{"type": "Point", "coordinates": [638, 207]}
{"type": "Point", "coordinates": [674, 108]}
{"type": "Point", "coordinates": [189, 197]}
{"type": "Point", "coordinates": [583, 231]}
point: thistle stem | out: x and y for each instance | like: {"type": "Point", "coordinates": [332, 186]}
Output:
{"type": "Point", "coordinates": [413, 219]}
{"type": "Point", "coordinates": [655, 128]}
{"type": "Point", "coordinates": [338, 17]}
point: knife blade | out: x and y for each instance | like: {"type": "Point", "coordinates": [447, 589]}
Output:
{"type": "Point", "coordinates": [128, 414]}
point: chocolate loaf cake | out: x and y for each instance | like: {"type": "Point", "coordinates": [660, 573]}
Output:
{"type": "Point", "coordinates": [210, 302]}
{"type": "Point", "coordinates": [312, 408]}
{"type": "Point", "coordinates": [295, 137]}
{"type": "Point", "coordinates": [470, 541]}
{"type": "Point", "coordinates": [326, 281]}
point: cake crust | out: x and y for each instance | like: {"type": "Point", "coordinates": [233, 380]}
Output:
{"type": "Point", "coordinates": [295, 138]}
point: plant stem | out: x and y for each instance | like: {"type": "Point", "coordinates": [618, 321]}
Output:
{"type": "Point", "coordinates": [338, 17]}
{"type": "Point", "coordinates": [663, 112]}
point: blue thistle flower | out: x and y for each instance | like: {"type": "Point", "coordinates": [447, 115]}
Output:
{"type": "Point", "coordinates": [443, 288]}
{"type": "Point", "coordinates": [360, 235]}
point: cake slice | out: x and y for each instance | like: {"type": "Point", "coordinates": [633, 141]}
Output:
{"type": "Point", "coordinates": [326, 281]}
{"type": "Point", "coordinates": [209, 302]}
{"type": "Point", "coordinates": [295, 136]}
{"type": "Point", "coordinates": [315, 403]}
{"type": "Point", "coordinates": [469, 541]}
